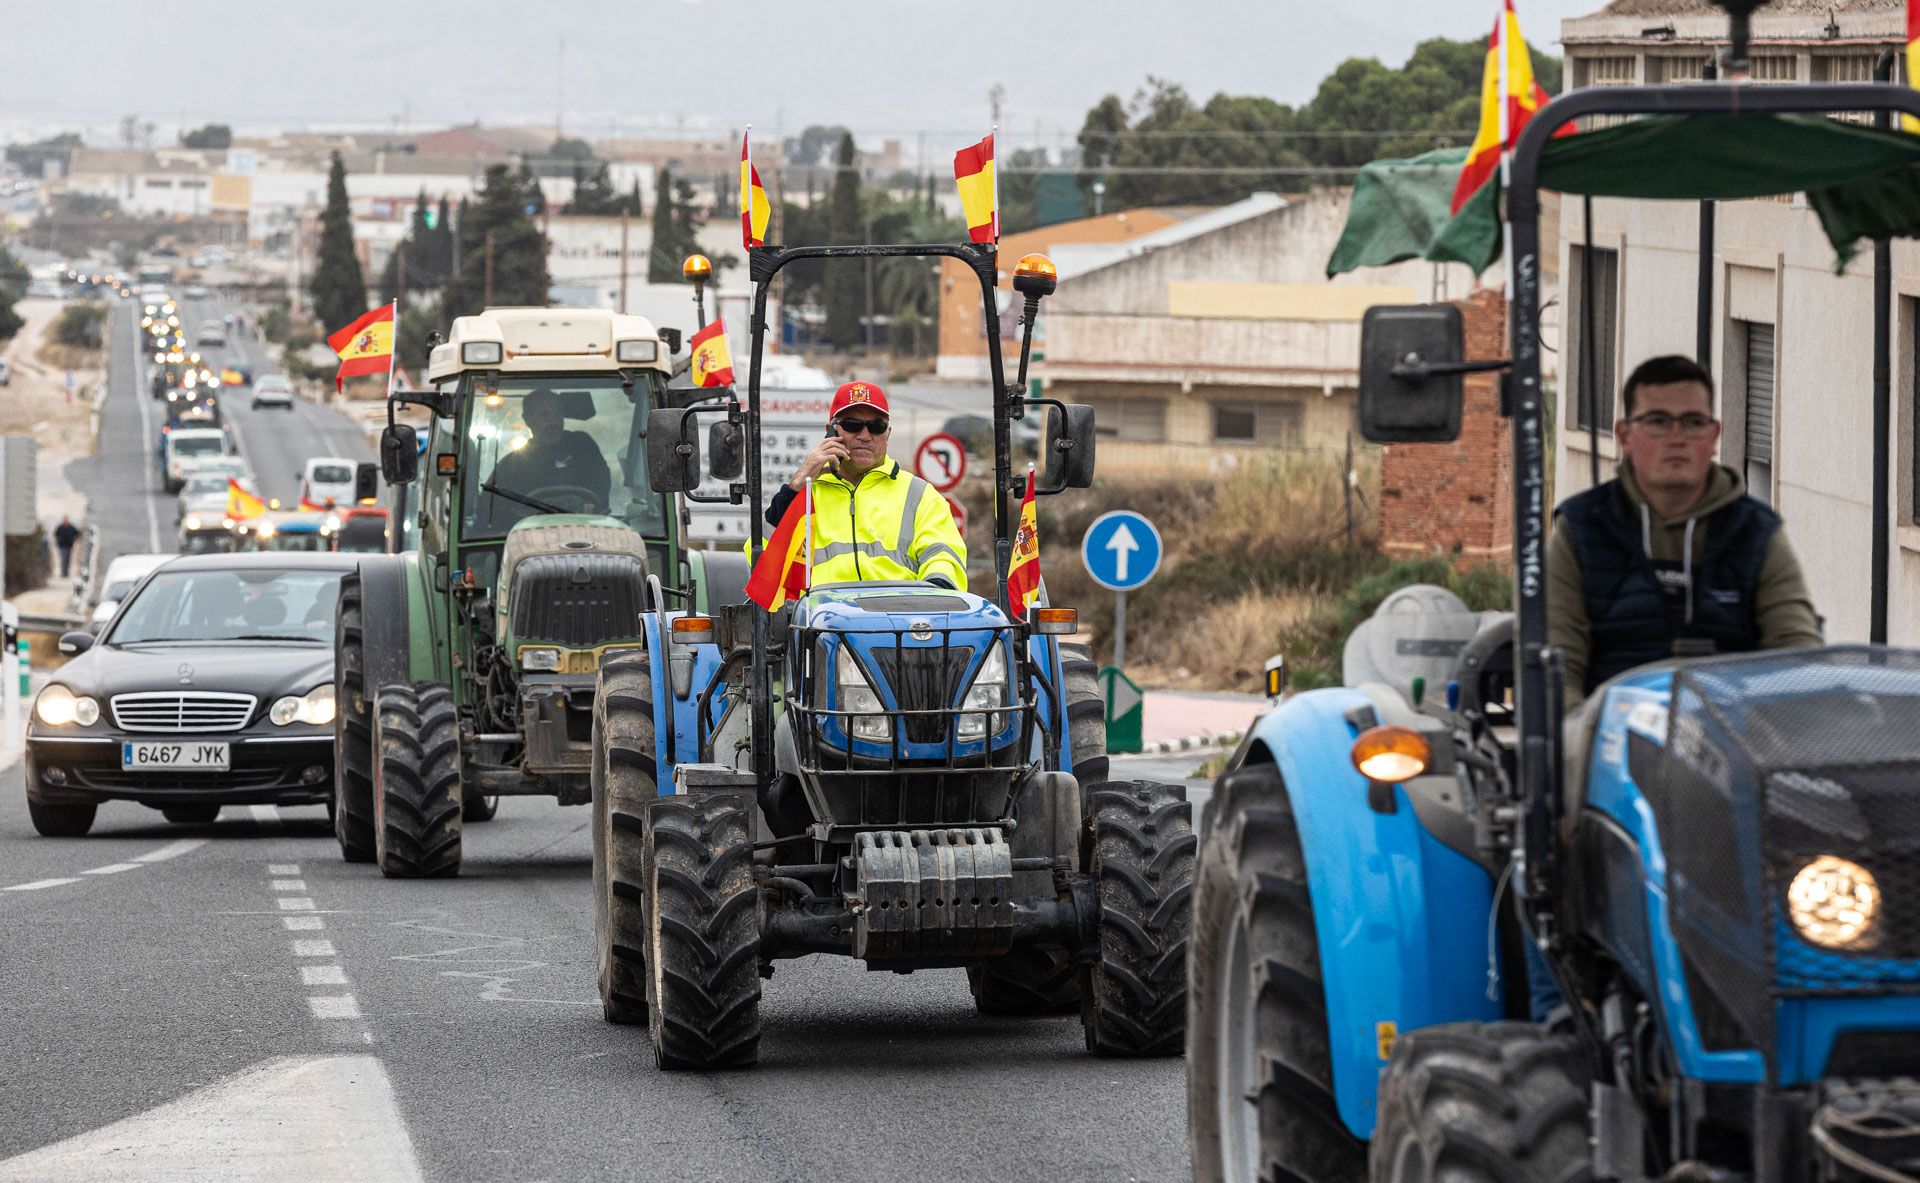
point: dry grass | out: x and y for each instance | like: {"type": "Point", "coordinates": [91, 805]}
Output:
{"type": "Point", "coordinates": [1224, 647]}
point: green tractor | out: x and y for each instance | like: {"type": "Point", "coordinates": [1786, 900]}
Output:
{"type": "Point", "coordinates": [465, 664]}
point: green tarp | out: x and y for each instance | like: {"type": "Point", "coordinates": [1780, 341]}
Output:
{"type": "Point", "coordinates": [1861, 181]}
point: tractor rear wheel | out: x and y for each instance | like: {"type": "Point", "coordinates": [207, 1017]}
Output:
{"type": "Point", "coordinates": [416, 791]}
{"type": "Point", "coordinates": [1134, 996]}
{"type": "Point", "coordinates": [704, 939]}
{"type": "Point", "coordinates": [625, 783]}
{"type": "Point", "coordinates": [1483, 1103]}
{"type": "Point", "coordinates": [1260, 1101]}
{"type": "Point", "coordinates": [352, 805]}
{"type": "Point", "coordinates": [1031, 981]}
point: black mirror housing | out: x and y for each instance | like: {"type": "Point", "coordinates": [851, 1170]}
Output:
{"type": "Point", "coordinates": [726, 450]}
{"type": "Point", "coordinates": [673, 451]}
{"type": "Point", "coordinates": [671, 339]}
{"type": "Point", "coordinates": [75, 643]}
{"type": "Point", "coordinates": [399, 455]}
{"type": "Point", "coordinates": [1399, 402]}
{"type": "Point", "coordinates": [1070, 448]}
{"type": "Point", "coordinates": [366, 481]}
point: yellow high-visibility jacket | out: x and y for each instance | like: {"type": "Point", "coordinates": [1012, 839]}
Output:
{"type": "Point", "coordinates": [892, 526]}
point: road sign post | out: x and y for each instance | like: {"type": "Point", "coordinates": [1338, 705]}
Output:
{"type": "Point", "coordinates": [1121, 551]}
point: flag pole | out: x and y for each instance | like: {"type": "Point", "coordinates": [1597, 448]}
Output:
{"type": "Point", "coordinates": [1506, 136]}
{"type": "Point", "coordinates": [806, 523]}
{"type": "Point", "coordinates": [393, 349]}
{"type": "Point", "coordinates": [995, 134]}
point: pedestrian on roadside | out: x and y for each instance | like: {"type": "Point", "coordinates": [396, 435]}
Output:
{"type": "Point", "coordinates": [65, 535]}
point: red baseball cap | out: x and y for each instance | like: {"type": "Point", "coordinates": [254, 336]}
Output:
{"type": "Point", "coordinates": [858, 394]}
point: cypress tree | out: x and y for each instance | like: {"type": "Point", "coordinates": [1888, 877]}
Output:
{"type": "Point", "coordinates": [338, 287]}
{"type": "Point", "coordinates": [663, 264]}
{"type": "Point", "coordinates": [845, 283]}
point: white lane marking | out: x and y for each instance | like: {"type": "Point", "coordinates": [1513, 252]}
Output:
{"type": "Point", "coordinates": [37, 884]}
{"type": "Point", "coordinates": [303, 1119]}
{"type": "Point", "coordinates": [115, 869]}
{"type": "Point", "coordinates": [171, 850]}
{"type": "Point", "coordinates": [289, 885]}
{"type": "Point", "coordinates": [303, 923]}
{"type": "Point", "coordinates": [283, 868]}
{"type": "Point", "coordinates": [313, 948]}
{"type": "Point", "coordinates": [322, 975]}
{"type": "Point", "coordinates": [296, 904]}
{"type": "Point", "coordinates": [333, 1006]}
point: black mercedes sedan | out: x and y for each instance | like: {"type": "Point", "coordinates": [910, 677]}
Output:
{"type": "Point", "coordinates": [212, 686]}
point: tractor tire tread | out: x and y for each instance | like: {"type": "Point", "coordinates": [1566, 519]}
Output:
{"type": "Point", "coordinates": [421, 802]}
{"type": "Point", "coordinates": [705, 1007]}
{"type": "Point", "coordinates": [353, 729]}
{"type": "Point", "coordinates": [624, 783]}
{"type": "Point", "coordinates": [1134, 995]}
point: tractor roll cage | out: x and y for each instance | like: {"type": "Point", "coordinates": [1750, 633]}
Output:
{"type": "Point", "coordinates": [765, 262]}
{"type": "Point", "coordinates": [1536, 668]}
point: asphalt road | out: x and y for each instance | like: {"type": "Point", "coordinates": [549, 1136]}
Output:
{"type": "Point", "coordinates": [232, 1001]}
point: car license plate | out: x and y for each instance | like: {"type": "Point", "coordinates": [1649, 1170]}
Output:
{"type": "Point", "coordinates": [202, 756]}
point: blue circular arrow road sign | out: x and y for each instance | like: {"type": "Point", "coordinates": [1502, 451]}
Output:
{"type": "Point", "coordinates": [1121, 550]}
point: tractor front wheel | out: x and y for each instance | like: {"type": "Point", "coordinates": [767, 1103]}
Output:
{"type": "Point", "coordinates": [704, 939]}
{"type": "Point", "coordinates": [624, 784]}
{"type": "Point", "coordinates": [351, 809]}
{"type": "Point", "coordinates": [1483, 1103]}
{"type": "Point", "coordinates": [416, 788]}
{"type": "Point", "coordinates": [1134, 996]}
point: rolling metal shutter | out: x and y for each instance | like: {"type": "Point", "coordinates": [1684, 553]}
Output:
{"type": "Point", "coordinates": [1758, 433]}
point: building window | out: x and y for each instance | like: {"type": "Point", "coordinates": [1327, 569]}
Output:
{"type": "Point", "coordinates": [1756, 407]}
{"type": "Point", "coordinates": [1843, 67]}
{"type": "Point", "coordinates": [1775, 67]}
{"type": "Point", "coordinates": [1142, 419]}
{"type": "Point", "coordinates": [159, 184]}
{"type": "Point", "coordinates": [1612, 70]}
{"type": "Point", "coordinates": [1604, 347]}
{"type": "Point", "coordinates": [1272, 425]}
{"type": "Point", "coordinates": [1691, 68]}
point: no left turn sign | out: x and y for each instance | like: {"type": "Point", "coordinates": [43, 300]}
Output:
{"type": "Point", "coordinates": [941, 460]}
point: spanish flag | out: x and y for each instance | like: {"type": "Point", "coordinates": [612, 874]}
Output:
{"type": "Point", "coordinates": [712, 362]}
{"type": "Point", "coordinates": [786, 564]}
{"type": "Point", "coordinates": [231, 377]}
{"type": "Point", "coordinates": [979, 190]}
{"type": "Point", "coordinates": [754, 210]}
{"type": "Point", "coordinates": [1509, 96]}
{"type": "Point", "coordinates": [307, 506]}
{"type": "Point", "coordinates": [1908, 122]}
{"type": "Point", "coordinates": [365, 346]}
{"type": "Point", "coordinates": [242, 504]}
{"type": "Point", "coordinates": [1023, 572]}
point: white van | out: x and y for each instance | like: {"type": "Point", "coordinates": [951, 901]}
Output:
{"type": "Point", "coordinates": [327, 481]}
{"type": "Point", "coordinates": [185, 444]}
{"type": "Point", "coordinates": [118, 582]}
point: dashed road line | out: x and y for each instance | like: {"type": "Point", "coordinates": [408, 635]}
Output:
{"type": "Point", "coordinates": [337, 1011]}
{"type": "Point", "coordinates": [283, 868]}
{"type": "Point", "coordinates": [171, 850]}
{"type": "Point", "coordinates": [334, 1006]}
{"type": "Point", "coordinates": [37, 884]}
{"type": "Point", "coordinates": [289, 885]}
{"type": "Point", "coordinates": [322, 975]}
{"type": "Point", "coordinates": [303, 923]}
{"type": "Point", "coordinates": [313, 948]}
{"type": "Point", "coordinates": [115, 869]}
{"type": "Point", "coordinates": [295, 904]}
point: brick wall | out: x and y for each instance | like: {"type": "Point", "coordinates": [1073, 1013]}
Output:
{"type": "Point", "coordinates": [1457, 498]}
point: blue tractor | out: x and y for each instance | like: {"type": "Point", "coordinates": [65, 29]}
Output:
{"type": "Point", "coordinates": [898, 772]}
{"type": "Point", "coordinates": [1445, 931]}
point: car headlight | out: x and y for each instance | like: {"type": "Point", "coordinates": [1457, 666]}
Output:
{"type": "Point", "coordinates": [1834, 903]}
{"type": "Point", "coordinates": [989, 689]}
{"type": "Point", "coordinates": [857, 695]}
{"type": "Point", "coordinates": [192, 523]}
{"type": "Point", "coordinates": [314, 708]}
{"type": "Point", "coordinates": [59, 706]}
{"type": "Point", "coordinates": [539, 660]}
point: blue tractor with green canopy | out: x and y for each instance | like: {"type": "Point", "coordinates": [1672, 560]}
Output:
{"type": "Point", "coordinates": [1713, 867]}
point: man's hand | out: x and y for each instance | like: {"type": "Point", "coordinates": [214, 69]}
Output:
{"type": "Point", "coordinates": [825, 453]}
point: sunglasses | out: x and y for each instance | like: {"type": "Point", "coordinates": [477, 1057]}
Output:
{"type": "Point", "coordinates": [875, 427]}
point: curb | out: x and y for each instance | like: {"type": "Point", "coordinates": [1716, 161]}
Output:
{"type": "Point", "coordinates": [1190, 743]}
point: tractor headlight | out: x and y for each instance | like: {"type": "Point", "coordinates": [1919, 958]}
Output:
{"type": "Point", "coordinates": [989, 689]}
{"type": "Point", "coordinates": [636, 351]}
{"type": "Point", "coordinates": [58, 706]}
{"type": "Point", "coordinates": [536, 660]}
{"type": "Point", "coordinates": [857, 695]}
{"type": "Point", "coordinates": [1834, 903]}
{"type": "Point", "coordinates": [314, 708]}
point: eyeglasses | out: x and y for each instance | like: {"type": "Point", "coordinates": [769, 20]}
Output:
{"type": "Point", "coordinates": [873, 427]}
{"type": "Point", "coordinates": [1659, 423]}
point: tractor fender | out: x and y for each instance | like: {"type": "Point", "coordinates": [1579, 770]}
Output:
{"type": "Point", "coordinates": [1049, 705]}
{"type": "Point", "coordinates": [1400, 919]}
{"type": "Point", "coordinates": [677, 732]}
{"type": "Point", "coordinates": [718, 579]}
{"type": "Point", "coordinates": [393, 595]}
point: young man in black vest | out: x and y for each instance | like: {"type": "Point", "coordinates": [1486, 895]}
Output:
{"type": "Point", "coordinates": [1672, 558]}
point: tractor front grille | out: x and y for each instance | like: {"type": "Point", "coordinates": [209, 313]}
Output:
{"type": "Point", "coordinates": [926, 678]}
{"type": "Point", "coordinates": [578, 600]}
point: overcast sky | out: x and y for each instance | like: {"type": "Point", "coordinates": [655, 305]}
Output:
{"type": "Point", "coordinates": [880, 66]}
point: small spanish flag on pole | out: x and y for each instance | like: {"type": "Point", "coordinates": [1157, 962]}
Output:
{"type": "Point", "coordinates": [979, 190]}
{"type": "Point", "coordinates": [755, 211]}
{"type": "Point", "coordinates": [242, 504]}
{"type": "Point", "coordinates": [784, 567]}
{"type": "Point", "coordinates": [711, 361]}
{"type": "Point", "coordinates": [1023, 571]}
{"type": "Point", "coordinates": [1509, 96]}
{"type": "Point", "coordinates": [365, 347]}
{"type": "Point", "coordinates": [1908, 122]}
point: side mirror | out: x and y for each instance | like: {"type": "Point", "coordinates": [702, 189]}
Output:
{"type": "Point", "coordinates": [673, 451]}
{"type": "Point", "coordinates": [75, 643]}
{"type": "Point", "coordinates": [399, 454]}
{"type": "Point", "coordinates": [1069, 463]}
{"type": "Point", "coordinates": [1411, 361]}
{"type": "Point", "coordinates": [366, 481]}
{"type": "Point", "coordinates": [671, 339]}
{"type": "Point", "coordinates": [726, 448]}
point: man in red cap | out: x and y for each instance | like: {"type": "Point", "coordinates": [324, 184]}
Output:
{"type": "Point", "coordinates": [871, 519]}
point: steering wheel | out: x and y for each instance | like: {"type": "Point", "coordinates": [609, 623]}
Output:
{"type": "Point", "coordinates": [566, 498]}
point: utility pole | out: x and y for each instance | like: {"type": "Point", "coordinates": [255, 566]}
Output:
{"type": "Point", "coordinates": [624, 219]}
{"type": "Point", "coordinates": [486, 281]}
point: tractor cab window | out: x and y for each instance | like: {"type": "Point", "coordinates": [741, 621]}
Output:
{"type": "Point", "coordinates": [558, 444]}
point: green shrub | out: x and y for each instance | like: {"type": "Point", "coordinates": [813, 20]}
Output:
{"type": "Point", "coordinates": [79, 325]}
{"type": "Point", "coordinates": [1314, 648]}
